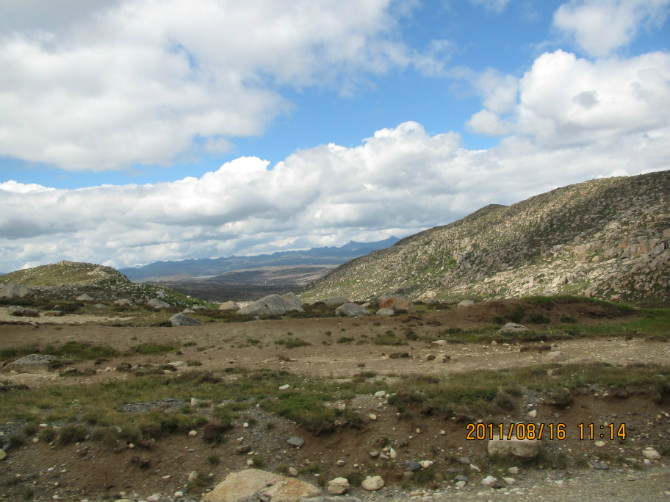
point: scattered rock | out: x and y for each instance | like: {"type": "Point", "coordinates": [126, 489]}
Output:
{"type": "Point", "coordinates": [372, 483]}
{"type": "Point", "coordinates": [183, 320]}
{"type": "Point", "coordinates": [338, 486]}
{"type": "Point", "coordinates": [260, 485]}
{"type": "Point", "coordinates": [398, 304]}
{"type": "Point", "coordinates": [296, 441]}
{"type": "Point", "coordinates": [352, 310]}
{"type": "Point", "coordinates": [386, 312]}
{"type": "Point", "coordinates": [511, 327]}
{"type": "Point", "coordinates": [157, 304]}
{"type": "Point", "coordinates": [229, 305]}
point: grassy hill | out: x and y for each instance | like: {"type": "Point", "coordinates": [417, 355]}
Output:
{"type": "Point", "coordinates": [607, 238]}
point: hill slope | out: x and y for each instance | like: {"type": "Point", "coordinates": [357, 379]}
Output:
{"type": "Point", "coordinates": [606, 238]}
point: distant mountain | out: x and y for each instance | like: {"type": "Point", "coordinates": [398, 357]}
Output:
{"type": "Point", "coordinates": [607, 238]}
{"type": "Point", "coordinates": [162, 271]}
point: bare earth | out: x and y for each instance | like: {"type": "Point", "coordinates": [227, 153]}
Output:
{"type": "Point", "coordinates": [78, 472]}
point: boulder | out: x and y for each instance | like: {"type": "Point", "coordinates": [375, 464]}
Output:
{"type": "Point", "coordinates": [336, 300]}
{"type": "Point", "coordinates": [385, 312]}
{"type": "Point", "coordinates": [373, 483]}
{"type": "Point", "coordinates": [10, 290]}
{"type": "Point", "coordinates": [183, 320]}
{"type": "Point", "coordinates": [21, 311]}
{"type": "Point", "coordinates": [399, 304]}
{"type": "Point", "coordinates": [229, 305]}
{"type": "Point", "coordinates": [273, 305]}
{"type": "Point", "coordinates": [465, 303]}
{"type": "Point", "coordinates": [124, 302]}
{"type": "Point", "coordinates": [40, 362]}
{"type": "Point", "coordinates": [511, 327]}
{"type": "Point", "coordinates": [157, 304]}
{"type": "Point", "coordinates": [256, 484]}
{"type": "Point", "coordinates": [351, 310]}
{"type": "Point", "coordinates": [524, 448]}
{"type": "Point", "coordinates": [84, 298]}
{"type": "Point", "coordinates": [338, 486]}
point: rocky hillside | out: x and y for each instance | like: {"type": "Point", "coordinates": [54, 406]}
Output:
{"type": "Point", "coordinates": [606, 238]}
{"type": "Point", "coordinates": [69, 280]}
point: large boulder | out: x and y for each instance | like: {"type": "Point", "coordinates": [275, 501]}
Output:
{"type": "Point", "coordinates": [183, 320]}
{"type": "Point", "coordinates": [254, 484]}
{"type": "Point", "coordinates": [10, 290]}
{"type": "Point", "coordinates": [229, 305]}
{"type": "Point", "coordinates": [21, 311]}
{"type": "Point", "coordinates": [351, 310]}
{"type": "Point", "coordinates": [273, 305]}
{"type": "Point", "coordinates": [398, 304]}
{"type": "Point", "coordinates": [157, 304]}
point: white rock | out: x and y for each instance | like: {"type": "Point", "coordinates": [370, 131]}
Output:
{"type": "Point", "coordinates": [425, 464]}
{"type": "Point", "coordinates": [489, 481]}
{"type": "Point", "coordinates": [651, 454]}
{"type": "Point", "coordinates": [372, 417]}
{"type": "Point", "coordinates": [284, 387]}
{"type": "Point", "coordinates": [509, 481]}
{"type": "Point", "coordinates": [460, 484]}
{"type": "Point", "coordinates": [192, 476]}
{"type": "Point", "coordinates": [192, 433]}
{"type": "Point", "coordinates": [338, 486]}
{"type": "Point", "coordinates": [532, 413]}
{"type": "Point", "coordinates": [380, 393]}
{"type": "Point", "coordinates": [373, 483]}
{"type": "Point", "coordinates": [513, 470]}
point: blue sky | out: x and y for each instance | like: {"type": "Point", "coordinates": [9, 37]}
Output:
{"type": "Point", "coordinates": [144, 130]}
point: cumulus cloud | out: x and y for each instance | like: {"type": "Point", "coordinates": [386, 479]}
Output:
{"type": "Point", "coordinates": [600, 27]}
{"type": "Point", "coordinates": [103, 85]}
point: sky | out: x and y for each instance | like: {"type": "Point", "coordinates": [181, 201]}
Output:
{"type": "Point", "coordinates": [133, 131]}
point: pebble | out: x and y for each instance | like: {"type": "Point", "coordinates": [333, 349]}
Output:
{"type": "Point", "coordinates": [296, 441]}
{"type": "Point", "coordinates": [651, 454]}
{"type": "Point", "coordinates": [489, 481]}
{"type": "Point", "coordinates": [373, 483]}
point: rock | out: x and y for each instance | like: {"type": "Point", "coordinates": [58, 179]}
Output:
{"type": "Point", "coordinates": [338, 486]}
{"type": "Point", "coordinates": [489, 481]}
{"type": "Point", "coordinates": [10, 290]}
{"type": "Point", "coordinates": [398, 304]}
{"type": "Point", "coordinates": [84, 298]}
{"type": "Point", "coordinates": [380, 394]}
{"type": "Point", "coordinates": [385, 312]}
{"type": "Point", "coordinates": [465, 303]}
{"type": "Point", "coordinates": [599, 465]}
{"type": "Point", "coordinates": [296, 441]}
{"type": "Point", "coordinates": [461, 477]}
{"type": "Point", "coordinates": [229, 305]}
{"type": "Point", "coordinates": [425, 464]}
{"type": "Point", "coordinates": [651, 453]}
{"type": "Point", "coordinates": [532, 413]}
{"type": "Point", "coordinates": [183, 320]}
{"type": "Point", "coordinates": [260, 485]}
{"type": "Point", "coordinates": [3, 454]}
{"type": "Point", "coordinates": [524, 448]}
{"type": "Point", "coordinates": [123, 302]}
{"type": "Point", "coordinates": [192, 476]}
{"type": "Point", "coordinates": [336, 300]}
{"type": "Point", "coordinates": [20, 311]}
{"type": "Point", "coordinates": [352, 310]}
{"type": "Point", "coordinates": [372, 483]}
{"type": "Point", "coordinates": [511, 327]}
{"type": "Point", "coordinates": [157, 304]}
{"type": "Point", "coordinates": [273, 305]}
{"type": "Point", "coordinates": [413, 466]}
{"type": "Point", "coordinates": [34, 360]}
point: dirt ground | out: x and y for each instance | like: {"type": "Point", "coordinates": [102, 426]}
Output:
{"type": "Point", "coordinates": [90, 471]}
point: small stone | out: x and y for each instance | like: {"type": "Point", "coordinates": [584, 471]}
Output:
{"type": "Point", "coordinates": [284, 387]}
{"type": "Point", "coordinates": [509, 481]}
{"type": "Point", "coordinates": [599, 465]}
{"type": "Point", "coordinates": [425, 464]}
{"type": "Point", "coordinates": [392, 454]}
{"type": "Point", "coordinates": [513, 470]}
{"type": "Point", "coordinates": [341, 463]}
{"type": "Point", "coordinates": [338, 486]}
{"type": "Point", "coordinates": [292, 471]}
{"type": "Point", "coordinates": [374, 453]}
{"type": "Point", "coordinates": [651, 454]}
{"type": "Point", "coordinates": [414, 466]}
{"type": "Point", "coordinates": [461, 477]}
{"type": "Point", "coordinates": [154, 497]}
{"type": "Point", "coordinates": [3, 454]}
{"type": "Point", "coordinates": [192, 476]}
{"type": "Point", "coordinates": [489, 481]}
{"type": "Point", "coordinates": [373, 483]}
{"type": "Point", "coordinates": [192, 433]}
{"type": "Point", "coordinates": [459, 485]}
{"type": "Point", "coordinates": [532, 413]}
{"type": "Point", "coordinates": [372, 417]}
{"type": "Point", "coordinates": [178, 494]}
{"type": "Point", "coordinates": [296, 441]}
{"type": "Point", "coordinates": [600, 444]}
{"type": "Point", "coordinates": [380, 393]}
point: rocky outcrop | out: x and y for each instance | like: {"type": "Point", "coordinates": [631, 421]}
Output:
{"type": "Point", "coordinates": [273, 305]}
{"type": "Point", "coordinates": [606, 238]}
{"type": "Point", "coordinates": [10, 290]}
{"type": "Point", "coordinates": [398, 304]}
{"type": "Point", "coordinates": [260, 485]}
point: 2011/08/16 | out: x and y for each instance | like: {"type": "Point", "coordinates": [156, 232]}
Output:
{"type": "Point", "coordinates": [538, 431]}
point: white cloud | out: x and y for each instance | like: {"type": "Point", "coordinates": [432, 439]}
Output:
{"type": "Point", "coordinates": [103, 85]}
{"type": "Point", "coordinates": [600, 27]}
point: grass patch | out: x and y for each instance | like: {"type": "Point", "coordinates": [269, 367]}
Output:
{"type": "Point", "coordinates": [292, 343]}
{"type": "Point", "coordinates": [150, 349]}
